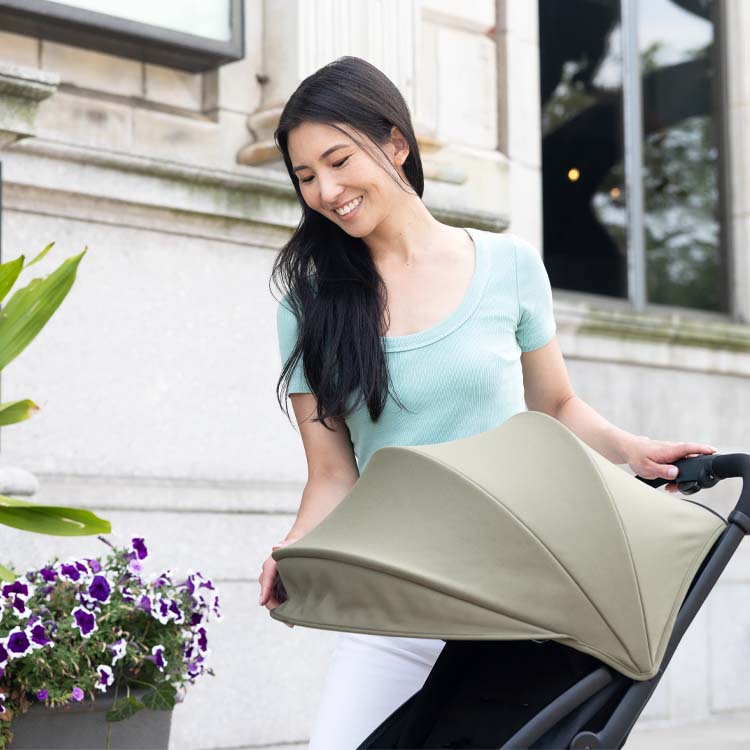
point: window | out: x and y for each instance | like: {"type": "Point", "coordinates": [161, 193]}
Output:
{"type": "Point", "coordinates": [193, 35]}
{"type": "Point", "coordinates": [632, 150]}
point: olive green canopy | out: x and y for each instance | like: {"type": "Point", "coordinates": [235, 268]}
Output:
{"type": "Point", "coordinates": [520, 532]}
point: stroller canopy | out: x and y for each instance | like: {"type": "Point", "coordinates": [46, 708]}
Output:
{"type": "Point", "coordinates": [521, 532]}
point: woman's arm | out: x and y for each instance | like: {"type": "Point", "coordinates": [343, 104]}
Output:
{"type": "Point", "coordinates": [547, 389]}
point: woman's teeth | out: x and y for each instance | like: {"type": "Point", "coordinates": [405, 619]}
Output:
{"type": "Point", "coordinates": [344, 210]}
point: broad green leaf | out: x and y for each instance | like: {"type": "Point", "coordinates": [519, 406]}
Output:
{"type": "Point", "coordinates": [124, 708]}
{"type": "Point", "coordinates": [54, 520]}
{"type": "Point", "coordinates": [16, 411]}
{"type": "Point", "coordinates": [162, 698]}
{"type": "Point", "coordinates": [30, 307]}
{"type": "Point", "coordinates": [41, 255]}
{"type": "Point", "coordinates": [6, 574]}
{"type": "Point", "coordinates": [8, 274]}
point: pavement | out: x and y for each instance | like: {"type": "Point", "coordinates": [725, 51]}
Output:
{"type": "Point", "coordinates": [720, 732]}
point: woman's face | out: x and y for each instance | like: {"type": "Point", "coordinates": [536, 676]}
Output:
{"type": "Point", "coordinates": [333, 171]}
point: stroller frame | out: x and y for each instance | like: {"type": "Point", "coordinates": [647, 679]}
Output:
{"type": "Point", "coordinates": [565, 718]}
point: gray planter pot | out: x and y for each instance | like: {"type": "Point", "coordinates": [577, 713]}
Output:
{"type": "Point", "coordinates": [84, 726]}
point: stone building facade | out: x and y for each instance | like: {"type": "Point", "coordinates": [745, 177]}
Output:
{"type": "Point", "coordinates": [157, 376]}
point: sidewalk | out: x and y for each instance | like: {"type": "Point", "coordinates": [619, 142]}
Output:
{"type": "Point", "coordinates": [723, 732]}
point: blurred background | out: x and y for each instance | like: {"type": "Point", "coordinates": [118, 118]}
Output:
{"type": "Point", "coordinates": [612, 134]}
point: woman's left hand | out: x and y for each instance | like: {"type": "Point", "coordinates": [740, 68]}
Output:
{"type": "Point", "coordinates": [652, 459]}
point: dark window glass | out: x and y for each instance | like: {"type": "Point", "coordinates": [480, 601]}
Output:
{"type": "Point", "coordinates": [585, 218]}
{"type": "Point", "coordinates": [681, 117]}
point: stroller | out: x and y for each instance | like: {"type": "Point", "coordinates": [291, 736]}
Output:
{"type": "Point", "coordinates": [560, 583]}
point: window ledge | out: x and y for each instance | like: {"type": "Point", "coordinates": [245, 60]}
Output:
{"type": "Point", "coordinates": [684, 339]}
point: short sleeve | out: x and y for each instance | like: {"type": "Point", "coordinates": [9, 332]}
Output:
{"type": "Point", "coordinates": [536, 321]}
{"type": "Point", "coordinates": [286, 330]}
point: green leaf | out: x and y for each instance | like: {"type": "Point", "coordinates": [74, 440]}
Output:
{"type": "Point", "coordinates": [41, 255]}
{"type": "Point", "coordinates": [124, 708]}
{"type": "Point", "coordinates": [54, 520]}
{"type": "Point", "coordinates": [30, 307]}
{"type": "Point", "coordinates": [6, 574]}
{"type": "Point", "coordinates": [16, 411]}
{"type": "Point", "coordinates": [162, 698]}
{"type": "Point", "coordinates": [8, 274]}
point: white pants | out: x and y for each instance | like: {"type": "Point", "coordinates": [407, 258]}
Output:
{"type": "Point", "coordinates": [368, 678]}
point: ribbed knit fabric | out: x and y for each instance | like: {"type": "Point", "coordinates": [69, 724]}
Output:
{"type": "Point", "coordinates": [463, 375]}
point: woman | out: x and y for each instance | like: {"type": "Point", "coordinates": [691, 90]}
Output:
{"type": "Point", "coordinates": [397, 329]}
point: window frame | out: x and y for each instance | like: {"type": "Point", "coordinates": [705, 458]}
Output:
{"type": "Point", "coordinates": [88, 29]}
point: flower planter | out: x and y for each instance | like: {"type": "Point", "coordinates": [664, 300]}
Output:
{"type": "Point", "coordinates": [84, 726]}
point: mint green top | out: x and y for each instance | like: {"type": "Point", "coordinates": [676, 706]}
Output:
{"type": "Point", "coordinates": [463, 375]}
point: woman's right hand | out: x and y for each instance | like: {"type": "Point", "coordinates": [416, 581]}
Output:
{"type": "Point", "coordinates": [268, 579]}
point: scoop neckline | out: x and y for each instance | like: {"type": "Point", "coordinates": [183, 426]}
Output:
{"type": "Point", "coordinates": [459, 315]}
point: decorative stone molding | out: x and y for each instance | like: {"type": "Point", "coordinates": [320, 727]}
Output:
{"type": "Point", "coordinates": [21, 90]}
{"type": "Point", "coordinates": [17, 481]}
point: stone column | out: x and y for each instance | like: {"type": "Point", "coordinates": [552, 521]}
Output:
{"type": "Point", "coordinates": [737, 58]}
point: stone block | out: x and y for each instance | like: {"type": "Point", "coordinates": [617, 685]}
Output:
{"type": "Point", "coordinates": [93, 70]}
{"type": "Point", "coordinates": [175, 88]}
{"type": "Point", "coordinates": [466, 93]}
{"type": "Point", "coordinates": [19, 50]}
{"type": "Point", "coordinates": [87, 121]}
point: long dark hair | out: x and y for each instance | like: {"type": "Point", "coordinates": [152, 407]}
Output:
{"type": "Point", "coordinates": [329, 277]}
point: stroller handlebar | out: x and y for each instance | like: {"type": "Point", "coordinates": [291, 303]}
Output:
{"type": "Point", "coordinates": [694, 474]}
{"type": "Point", "coordinates": [702, 472]}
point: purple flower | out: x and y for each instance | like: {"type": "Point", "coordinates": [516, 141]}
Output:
{"type": "Point", "coordinates": [202, 640]}
{"type": "Point", "coordinates": [18, 587]}
{"type": "Point", "coordinates": [100, 589]}
{"type": "Point", "coordinates": [38, 635]}
{"type": "Point", "coordinates": [119, 649]}
{"type": "Point", "coordinates": [158, 657]}
{"type": "Point", "coordinates": [77, 694]}
{"type": "Point", "coordinates": [2, 703]}
{"type": "Point", "coordinates": [196, 619]}
{"type": "Point", "coordinates": [215, 608]}
{"type": "Point", "coordinates": [176, 612]}
{"type": "Point", "coordinates": [4, 655]}
{"type": "Point", "coordinates": [48, 574]}
{"type": "Point", "coordinates": [139, 547]}
{"type": "Point", "coordinates": [161, 580]}
{"type": "Point", "coordinates": [135, 567]}
{"type": "Point", "coordinates": [127, 594]}
{"type": "Point", "coordinates": [42, 695]}
{"type": "Point", "coordinates": [19, 604]}
{"type": "Point", "coordinates": [105, 677]}
{"type": "Point", "coordinates": [160, 611]}
{"type": "Point", "coordinates": [84, 621]}
{"type": "Point", "coordinates": [94, 565]}
{"type": "Point", "coordinates": [18, 643]}
{"type": "Point", "coordinates": [70, 571]}
{"type": "Point", "coordinates": [144, 603]}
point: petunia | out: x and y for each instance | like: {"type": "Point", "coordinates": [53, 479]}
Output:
{"type": "Point", "coordinates": [158, 657]}
{"type": "Point", "coordinates": [4, 655]}
{"type": "Point", "coordinates": [176, 612]}
{"type": "Point", "coordinates": [144, 603]}
{"type": "Point", "coordinates": [38, 635]}
{"type": "Point", "coordinates": [100, 589]}
{"type": "Point", "coordinates": [77, 694]}
{"type": "Point", "coordinates": [201, 639]}
{"type": "Point", "coordinates": [119, 649]}
{"type": "Point", "coordinates": [22, 589]}
{"type": "Point", "coordinates": [19, 605]}
{"type": "Point", "coordinates": [139, 547]}
{"type": "Point", "coordinates": [105, 677]}
{"type": "Point", "coordinates": [2, 703]}
{"type": "Point", "coordinates": [70, 571]}
{"type": "Point", "coordinates": [84, 621]}
{"type": "Point", "coordinates": [18, 643]}
{"type": "Point", "coordinates": [42, 695]}
{"type": "Point", "coordinates": [48, 574]}
{"type": "Point", "coordinates": [135, 567]}
{"type": "Point", "coordinates": [94, 565]}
